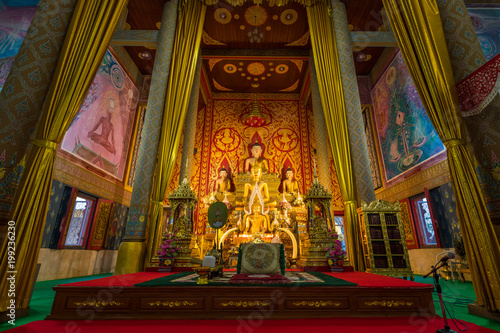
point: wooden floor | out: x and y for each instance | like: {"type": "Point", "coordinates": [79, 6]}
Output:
{"type": "Point", "coordinates": [225, 302]}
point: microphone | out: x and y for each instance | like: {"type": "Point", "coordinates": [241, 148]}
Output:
{"type": "Point", "coordinates": [441, 263]}
{"type": "Point", "coordinates": [449, 255]}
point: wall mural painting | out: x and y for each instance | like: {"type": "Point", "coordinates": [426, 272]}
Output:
{"type": "Point", "coordinates": [15, 19]}
{"type": "Point", "coordinates": [223, 140]}
{"type": "Point", "coordinates": [485, 21]}
{"type": "Point", "coordinates": [101, 131]}
{"type": "Point", "coordinates": [407, 140]}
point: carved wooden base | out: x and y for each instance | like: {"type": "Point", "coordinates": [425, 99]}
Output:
{"type": "Point", "coordinates": [212, 302]}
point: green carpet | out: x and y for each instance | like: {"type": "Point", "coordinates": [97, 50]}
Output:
{"type": "Point", "coordinates": [456, 294]}
{"type": "Point", "coordinates": [43, 297]}
{"type": "Point", "coordinates": [303, 279]}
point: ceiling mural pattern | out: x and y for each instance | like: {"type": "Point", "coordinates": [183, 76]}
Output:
{"type": "Point", "coordinates": [273, 26]}
{"type": "Point", "coordinates": [241, 74]}
{"type": "Point", "coordinates": [283, 28]}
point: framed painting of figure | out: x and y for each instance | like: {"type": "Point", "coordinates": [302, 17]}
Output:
{"type": "Point", "coordinates": [407, 140]}
{"type": "Point", "coordinates": [102, 130]}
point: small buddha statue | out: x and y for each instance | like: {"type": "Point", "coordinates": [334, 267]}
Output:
{"type": "Point", "coordinates": [290, 184]}
{"type": "Point", "coordinates": [255, 223]}
{"type": "Point", "coordinates": [256, 181]}
{"type": "Point", "coordinates": [223, 184]}
{"type": "Point", "coordinates": [256, 160]}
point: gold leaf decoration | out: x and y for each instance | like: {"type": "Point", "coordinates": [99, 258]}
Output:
{"type": "Point", "coordinates": [209, 40]}
{"type": "Point", "coordinates": [292, 87]}
{"type": "Point", "coordinates": [302, 41]}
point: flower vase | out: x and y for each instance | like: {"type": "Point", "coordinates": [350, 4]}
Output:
{"type": "Point", "coordinates": [166, 264]}
{"type": "Point", "coordinates": [336, 262]}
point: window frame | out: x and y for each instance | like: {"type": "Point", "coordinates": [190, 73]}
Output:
{"type": "Point", "coordinates": [341, 213]}
{"type": "Point", "coordinates": [67, 221]}
{"type": "Point", "coordinates": [416, 220]}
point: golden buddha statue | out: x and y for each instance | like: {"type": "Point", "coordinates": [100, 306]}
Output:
{"type": "Point", "coordinates": [255, 223]}
{"type": "Point", "coordinates": [223, 184]}
{"type": "Point", "coordinates": [290, 184]}
{"type": "Point", "coordinates": [256, 160]}
{"type": "Point", "coordinates": [256, 181]}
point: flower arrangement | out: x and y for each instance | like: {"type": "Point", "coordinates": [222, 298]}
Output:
{"type": "Point", "coordinates": [334, 247]}
{"type": "Point", "coordinates": [169, 246]}
{"type": "Point", "coordinates": [284, 205]}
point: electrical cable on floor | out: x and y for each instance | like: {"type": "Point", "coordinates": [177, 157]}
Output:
{"type": "Point", "coordinates": [452, 317]}
{"type": "Point", "coordinates": [459, 301]}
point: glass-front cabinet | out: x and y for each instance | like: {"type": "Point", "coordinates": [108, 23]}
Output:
{"type": "Point", "coordinates": [384, 244]}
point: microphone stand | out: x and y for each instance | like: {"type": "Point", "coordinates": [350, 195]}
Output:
{"type": "Point", "coordinates": [435, 275]}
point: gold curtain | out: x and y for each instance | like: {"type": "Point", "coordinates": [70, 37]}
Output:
{"type": "Point", "coordinates": [187, 41]}
{"type": "Point", "coordinates": [88, 35]}
{"type": "Point", "coordinates": [419, 33]}
{"type": "Point", "coordinates": [330, 87]}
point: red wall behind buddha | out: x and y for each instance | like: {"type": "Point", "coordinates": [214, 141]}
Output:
{"type": "Point", "coordinates": [223, 140]}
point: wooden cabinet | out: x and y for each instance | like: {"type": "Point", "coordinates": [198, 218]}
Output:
{"type": "Point", "coordinates": [384, 244]}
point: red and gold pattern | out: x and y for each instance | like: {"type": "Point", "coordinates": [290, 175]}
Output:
{"type": "Point", "coordinates": [408, 225]}
{"type": "Point", "coordinates": [289, 16]}
{"type": "Point", "coordinates": [229, 68]}
{"type": "Point", "coordinates": [100, 224]}
{"type": "Point", "coordinates": [478, 89]}
{"type": "Point", "coordinates": [222, 15]}
{"type": "Point", "coordinates": [255, 15]}
{"type": "Point", "coordinates": [281, 69]}
{"type": "Point", "coordinates": [222, 137]}
{"type": "Point", "coordinates": [256, 68]}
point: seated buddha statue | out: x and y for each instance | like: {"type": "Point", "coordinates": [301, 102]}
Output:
{"type": "Point", "coordinates": [256, 181]}
{"type": "Point", "coordinates": [256, 160]}
{"type": "Point", "coordinates": [223, 184]}
{"type": "Point", "coordinates": [290, 184]}
{"type": "Point", "coordinates": [256, 222]}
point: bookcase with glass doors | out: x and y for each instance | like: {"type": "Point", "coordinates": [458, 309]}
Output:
{"type": "Point", "coordinates": [383, 239]}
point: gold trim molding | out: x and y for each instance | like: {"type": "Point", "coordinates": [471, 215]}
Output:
{"type": "Point", "coordinates": [431, 177]}
{"type": "Point", "coordinates": [389, 304]}
{"type": "Point", "coordinates": [171, 304]}
{"type": "Point", "coordinates": [244, 304]}
{"type": "Point", "coordinates": [317, 304]}
{"type": "Point", "coordinates": [74, 175]}
{"type": "Point", "coordinates": [99, 304]}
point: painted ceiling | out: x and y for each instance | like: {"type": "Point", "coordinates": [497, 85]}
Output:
{"type": "Point", "coordinates": [257, 49]}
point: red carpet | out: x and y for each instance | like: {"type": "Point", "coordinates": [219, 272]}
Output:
{"type": "Point", "coordinates": [254, 325]}
{"type": "Point", "coordinates": [125, 280]}
{"type": "Point", "coordinates": [364, 280]}
{"type": "Point", "coordinates": [368, 280]}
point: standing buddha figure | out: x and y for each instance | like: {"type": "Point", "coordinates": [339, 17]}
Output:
{"type": "Point", "coordinates": [256, 160]}
{"type": "Point", "coordinates": [256, 181]}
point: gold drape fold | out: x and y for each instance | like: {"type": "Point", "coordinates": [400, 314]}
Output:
{"type": "Point", "coordinates": [187, 41]}
{"type": "Point", "coordinates": [88, 35]}
{"type": "Point", "coordinates": [330, 87]}
{"type": "Point", "coordinates": [419, 33]}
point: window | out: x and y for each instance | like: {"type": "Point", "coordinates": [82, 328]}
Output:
{"type": "Point", "coordinates": [75, 229]}
{"type": "Point", "coordinates": [339, 227]}
{"type": "Point", "coordinates": [425, 221]}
